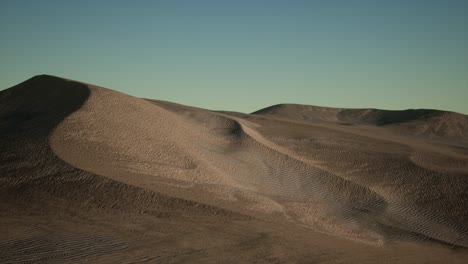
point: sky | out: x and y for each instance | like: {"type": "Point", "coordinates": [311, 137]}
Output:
{"type": "Point", "coordinates": [244, 55]}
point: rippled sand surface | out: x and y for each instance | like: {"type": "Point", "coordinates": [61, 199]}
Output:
{"type": "Point", "coordinates": [89, 174]}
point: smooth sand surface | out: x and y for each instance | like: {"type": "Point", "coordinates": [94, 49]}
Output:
{"type": "Point", "coordinates": [92, 175]}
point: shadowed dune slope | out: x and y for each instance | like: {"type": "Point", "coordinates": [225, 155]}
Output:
{"type": "Point", "coordinates": [153, 181]}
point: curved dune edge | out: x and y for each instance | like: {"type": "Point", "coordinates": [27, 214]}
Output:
{"type": "Point", "coordinates": [30, 113]}
{"type": "Point", "coordinates": [199, 168]}
{"type": "Point", "coordinates": [182, 154]}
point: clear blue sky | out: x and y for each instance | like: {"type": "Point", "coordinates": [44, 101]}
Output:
{"type": "Point", "coordinates": [244, 55]}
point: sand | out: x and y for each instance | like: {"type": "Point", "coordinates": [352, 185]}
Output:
{"type": "Point", "coordinates": [93, 175]}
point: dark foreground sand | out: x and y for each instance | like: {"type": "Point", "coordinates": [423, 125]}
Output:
{"type": "Point", "coordinates": [88, 174]}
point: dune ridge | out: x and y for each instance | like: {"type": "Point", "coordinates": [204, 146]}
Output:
{"type": "Point", "coordinates": [72, 147]}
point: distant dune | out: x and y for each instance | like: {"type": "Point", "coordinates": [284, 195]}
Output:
{"type": "Point", "coordinates": [91, 174]}
{"type": "Point", "coordinates": [435, 123]}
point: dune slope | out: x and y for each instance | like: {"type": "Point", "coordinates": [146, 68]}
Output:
{"type": "Point", "coordinates": [102, 175]}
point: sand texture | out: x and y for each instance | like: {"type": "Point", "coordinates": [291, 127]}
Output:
{"type": "Point", "coordinates": [91, 175]}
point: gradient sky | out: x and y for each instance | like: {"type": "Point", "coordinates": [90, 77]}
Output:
{"type": "Point", "coordinates": [246, 55]}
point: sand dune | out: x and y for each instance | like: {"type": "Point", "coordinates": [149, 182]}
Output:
{"type": "Point", "coordinates": [417, 122]}
{"type": "Point", "coordinates": [92, 174]}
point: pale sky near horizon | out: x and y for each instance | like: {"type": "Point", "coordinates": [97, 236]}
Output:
{"type": "Point", "coordinates": [244, 55]}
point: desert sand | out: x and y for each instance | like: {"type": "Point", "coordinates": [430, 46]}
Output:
{"type": "Point", "coordinates": [93, 175]}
